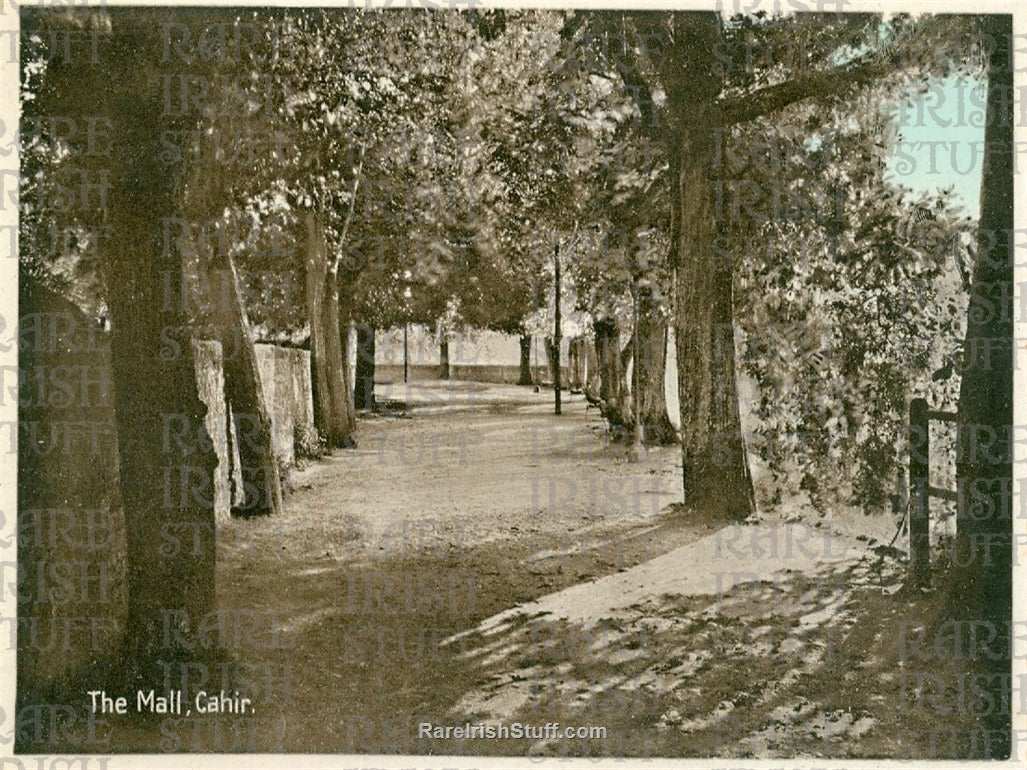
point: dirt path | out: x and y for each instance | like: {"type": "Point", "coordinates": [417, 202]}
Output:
{"type": "Point", "coordinates": [487, 560]}
{"type": "Point", "coordinates": [432, 525]}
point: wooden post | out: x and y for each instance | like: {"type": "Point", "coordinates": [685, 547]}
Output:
{"type": "Point", "coordinates": [557, 331]}
{"type": "Point", "coordinates": [919, 506]}
{"type": "Point", "coordinates": [538, 378]}
{"type": "Point", "coordinates": [405, 353]}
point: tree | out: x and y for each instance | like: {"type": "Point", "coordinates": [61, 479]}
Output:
{"type": "Point", "coordinates": [692, 77]}
{"type": "Point", "coordinates": [166, 457]}
{"type": "Point", "coordinates": [208, 238]}
{"type": "Point", "coordinates": [331, 111]}
{"type": "Point", "coordinates": [980, 588]}
{"type": "Point", "coordinates": [363, 385]}
{"type": "Point", "coordinates": [243, 389]}
{"type": "Point", "coordinates": [418, 214]}
{"type": "Point", "coordinates": [848, 301]}
{"type": "Point", "coordinates": [651, 332]}
{"type": "Point", "coordinates": [632, 194]}
{"type": "Point", "coordinates": [525, 166]}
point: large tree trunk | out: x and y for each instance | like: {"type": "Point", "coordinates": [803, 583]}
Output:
{"type": "Point", "coordinates": [242, 386]}
{"type": "Point", "coordinates": [607, 347]}
{"type": "Point", "coordinates": [74, 476]}
{"type": "Point", "coordinates": [652, 361]}
{"type": "Point", "coordinates": [715, 473]}
{"type": "Point", "coordinates": [167, 459]}
{"type": "Point", "coordinates": [363, 387]}
{"type": "Point", "coordinates": [244, 391]}
{"type": "Point", "coordinates": [326, 355]}
{"type": "Point", "coordinates": [525, 378]}
{"type": "Point", "coordinates": [984, 470]}
{"type": "Point", "coordinates": [979, 587]}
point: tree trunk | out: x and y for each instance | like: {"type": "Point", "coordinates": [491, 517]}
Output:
{"type": "Point", "coordinates": [326, 355]}
{"type": "Point", "coordinates": [363, 387]}
{"type": "Point", "coordinates": [607, 347]}
{"type": "Point", "coordinates": [76, 475]}
{"type": "Point", "coordinates": [550, 358]}
{"type": "Point", "coordinates": [715, 473]}
{"type": "Point", "coordinates": [613, 395]}
{"type": "Point", "coordinates": [343, 300]}
{"type": "Point", "coordinates": [525, 378]}
{"type": "Point", "coordinates": [243, 389]}
{"type": "Point", "coordinates": [627, 357]}
{"type": "Point", "coordinates": [592, 381]}
{"type": "Point", "coordinates": [576, 363]}
{"type": "Point", "coordinates": [443, 353]}
{"type": "Point", "coordinates": [979, 588]}
{"type": "Point", "coordinates": [261, 477]}
{"type": "Point", "coordinates": [167, 460]}
{"type": "Point", "coordinates": [652, 360]}
{"type": "Point", "coordinates": [984, 470]}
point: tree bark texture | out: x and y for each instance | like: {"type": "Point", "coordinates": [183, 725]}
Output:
{"type": "Point", "coordinates": [167, 460]}
{"type": "Point", "coordinates": [330, 386]}
{"type": "Point", "coordinates": [652, 360]}
{"type": "Point", "coordinates": [525, 377]}
{"type": "Point", "coordinates": [715, 466]}
{"type": "Point", "coordinates": [363, 388]}
{"type": "Point", "coordinates": [614, 399]}
{"type": "Point", "coordinates": [244, 392]}
{"type": "Point", "coordinates": [982, 582]}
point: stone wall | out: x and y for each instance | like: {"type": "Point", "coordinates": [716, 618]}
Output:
{"type": "Point", "coordinates": [276, 378]}
{"type": "Point", "coordinates": [72, 592]}
{"type": "Point", "coordinates": [210, 383]}
{"type": "Point", "coordinates": [285, 380]}
{"type": "Point", "coordinates": [392, 374]}
{"type": "Point", "coordinates": [302, 399]}
{"type": "Point", "coordinates": [474, 354]}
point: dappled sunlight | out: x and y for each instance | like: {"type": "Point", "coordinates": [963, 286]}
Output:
{"type": "Point", "coordinates": [684, 648]}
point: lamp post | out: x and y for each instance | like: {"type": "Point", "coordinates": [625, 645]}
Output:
{"type": "Point", "coordinates": [557, 330]}
{"type": "Point", "coordinates": [407, 294]}
{"type": "Point", "coordinates": [636, 395]}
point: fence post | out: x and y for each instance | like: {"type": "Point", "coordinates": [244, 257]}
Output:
{"type": "Point", "coordinates": [919, 511]}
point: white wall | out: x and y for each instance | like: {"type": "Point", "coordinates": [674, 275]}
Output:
{"type": "Point", "coordinates": [466, 348]}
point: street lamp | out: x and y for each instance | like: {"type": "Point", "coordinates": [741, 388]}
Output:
{"type": "Point", "coordinates": [556, 331]}
{"type": "Point", "coordinates": [407, 294]}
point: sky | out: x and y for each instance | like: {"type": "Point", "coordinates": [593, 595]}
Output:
{"type": "Point", "coordinates": [941, 139]}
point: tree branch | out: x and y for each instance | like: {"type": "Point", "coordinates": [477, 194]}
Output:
{"type": "Point", "coordinates": [764, 101]}
{"type": "Point", "coordinates": [630, 70]}
{"type": "Point", "coordinates": [333, 268]}
{"type": "Point", "coordinates": [571, 25]}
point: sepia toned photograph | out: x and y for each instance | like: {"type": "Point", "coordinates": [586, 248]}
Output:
{"type": "Point", "coordinates": [453, 381]}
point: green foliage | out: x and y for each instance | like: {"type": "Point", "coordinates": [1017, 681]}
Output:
{"type": "Point", "coordinates": [849, 300]}
{"type": "Point", "coordinates": [448, 154]}
{"type": "Point", "coordinates": [59, 241]}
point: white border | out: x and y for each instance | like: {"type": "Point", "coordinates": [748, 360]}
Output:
{"type": "Point", "coordinates": [9, 78]}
